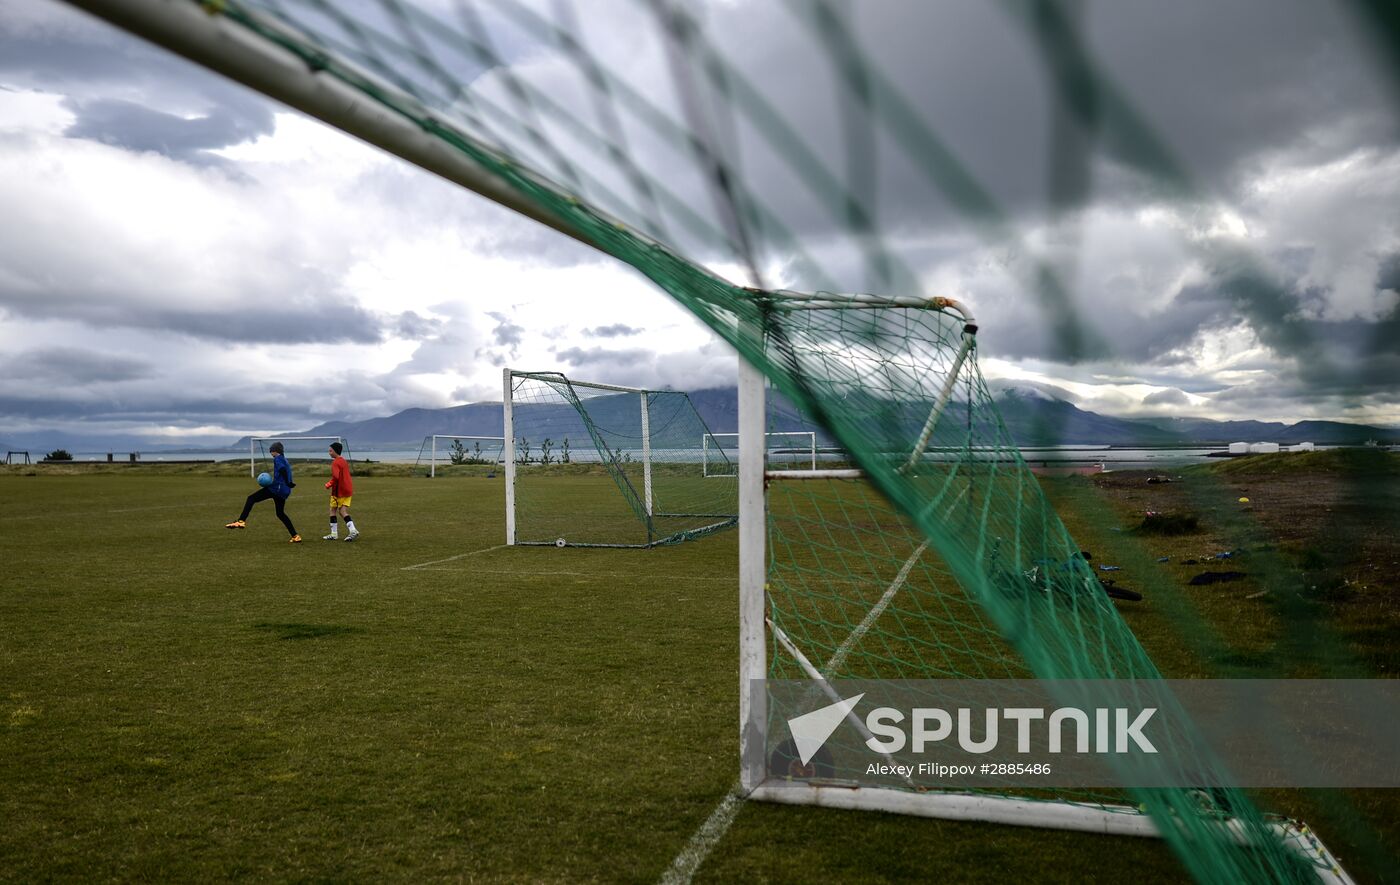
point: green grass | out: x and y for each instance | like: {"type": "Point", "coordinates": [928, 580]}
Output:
{"type": "Point", "coordinates": [1364, 462]}
{"type": "Point", "coordinates": [182, 701]}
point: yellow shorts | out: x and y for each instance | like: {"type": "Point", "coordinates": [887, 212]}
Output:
{"type": "Point", "coordinates": [340, 502]}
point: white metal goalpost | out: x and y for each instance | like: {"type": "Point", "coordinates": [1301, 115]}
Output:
{"type": "Point", "coordinates": [253, 446]}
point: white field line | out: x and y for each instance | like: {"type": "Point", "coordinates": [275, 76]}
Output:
{"type": "Point", "coordinates": [839, 656]}
{"type": "Point", "coordinates": [451, 558]}
{"type": "Point", "coordinates": [683, 868]}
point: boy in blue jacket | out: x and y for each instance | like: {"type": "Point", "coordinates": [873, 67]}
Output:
{"type": "Point", "coordinates": [278, 491]}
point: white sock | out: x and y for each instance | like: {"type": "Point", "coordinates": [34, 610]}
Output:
{"type": "Point", "coordinates": [350, 526]}
{"type": "Point", "coordinates": [334, 531]}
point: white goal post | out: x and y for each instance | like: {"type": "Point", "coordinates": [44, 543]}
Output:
{"type": "Point", "coordinates": [431, 443]}
{"type": "Point", "coordinates": [806, 445]}
{"type": "Point", "coordinates": [286, 440]}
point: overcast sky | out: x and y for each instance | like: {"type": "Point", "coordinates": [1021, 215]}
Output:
{"type": "Point", "coordinates": [183, 258]}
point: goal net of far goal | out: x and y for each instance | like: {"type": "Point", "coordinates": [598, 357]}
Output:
{"type": "Point", "coordinates": [600, 465]}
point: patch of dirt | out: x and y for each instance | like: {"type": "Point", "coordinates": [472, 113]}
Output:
{"type": "Point", "coordinates": [1330, 538]}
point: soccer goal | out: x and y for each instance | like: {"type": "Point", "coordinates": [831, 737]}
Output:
{"type": "Point", "coordinates": [458, 450]}
{"type": "Point", "coordinates": [296, 448]}
{"type": "Point", "coordinates": [794, 447]}
{"type": "Point", "coordinates": [600, 465]}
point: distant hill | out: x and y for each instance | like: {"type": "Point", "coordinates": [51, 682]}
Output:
{"type": "Point", "coordinates": [412, 425]}
{"type": "Point", "coordinates": [1032, 416]}
{"type": "Point", "coordinates": [1332, 433]}
{"type": "Point", "coordinates": [1035, 415]}
{"type": "Point", "coordinates": [1035, 418]}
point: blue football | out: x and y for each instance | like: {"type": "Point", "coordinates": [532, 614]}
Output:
{"type": "Point", "coordinates": [264, 479]}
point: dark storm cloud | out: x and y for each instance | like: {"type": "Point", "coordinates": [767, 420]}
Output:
{"type": "Point", "coordinates": [139, 128]}
{"type": "Point", "coordinates": [155, 403]}
{"type": "Point", "coordinates": [1282, 392]}
{"type": "Point", "coordinates": [333, 322]}
{"type": "Point", "coordinates": [978, 78]}
{"type": "Point", "coordinates": [1169, 397]}
{"type": "Point", "coordinates": [63, 366]}
{"type": "Point", "coordinates": [1206, 88]}
{"type": "Point", "coordinates": [1051, 390]}
{"type": "Point", "coordinates": [1325, 357]}
{"type": "Point", "coordinates": [600, 358]}
{"type": "Point", "coordinates": [206, 396]}
{"type": "Point", "coordinates": [53, 46]}
{"type": "Point", "coordinates": [1185, 104]}
{"type": "Point", "coordinates": [1388, 276]}
{"type": "Point", "coordinates": [412, 326]}
{"type": "Point", "coordinates": [324, 321]}
{"type": "Point", "coordinates": [507, 333]}
{"type": "Point", "coordinates": [1154, 337]}
{"type": "Point", "coordinates": [616, 330]}
{"type": "Point", "coordinates": [710, 365]}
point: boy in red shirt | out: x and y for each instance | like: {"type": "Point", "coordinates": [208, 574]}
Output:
{"type": "Point", "coordinates": [341, 488]}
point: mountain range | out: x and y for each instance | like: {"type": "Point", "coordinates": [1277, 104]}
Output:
{"type": "Point", "coordinates": [1032, 416]}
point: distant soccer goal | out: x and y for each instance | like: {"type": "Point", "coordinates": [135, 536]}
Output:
{"type": "Point", "coordinates": [458, 450]}
{"type": "Point", "coordinates": [795, 448]}
{"type": "Point", "coordinates": [297, 448]}
{"type": "Point", "coordinates": [599, 465]}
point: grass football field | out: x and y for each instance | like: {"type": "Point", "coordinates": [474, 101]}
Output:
{"type": "Point", "coordinates": [180, 701]}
